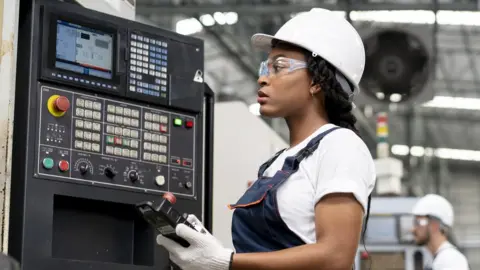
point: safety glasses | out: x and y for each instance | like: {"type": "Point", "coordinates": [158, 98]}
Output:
{"type": "Point", "coordinates": [280, 66]}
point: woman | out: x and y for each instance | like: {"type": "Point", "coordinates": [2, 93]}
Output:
{"type": "Point", "coordinates": [306, 209]}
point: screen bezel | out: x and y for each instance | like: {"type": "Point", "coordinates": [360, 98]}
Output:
{"type": "Point", "coordinates": [49, 36]}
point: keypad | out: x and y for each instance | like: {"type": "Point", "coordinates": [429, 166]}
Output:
{"type": "Point", "coordinates": [148, 66]}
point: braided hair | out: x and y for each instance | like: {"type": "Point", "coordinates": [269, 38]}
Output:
{"type": "Point", "coordinates": [337, 104]}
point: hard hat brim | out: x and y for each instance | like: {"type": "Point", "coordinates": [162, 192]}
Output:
{"type": "Point", "coordinates": [262, 42]}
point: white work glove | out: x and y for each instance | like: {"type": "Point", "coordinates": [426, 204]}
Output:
{"type": "Point", "coordinates": [204, 253]}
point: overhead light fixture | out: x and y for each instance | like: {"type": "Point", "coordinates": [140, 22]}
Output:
{"type": "Point", "coordinates": [461, 103]}
{"type": "Point", "coordinates": [443, 153]}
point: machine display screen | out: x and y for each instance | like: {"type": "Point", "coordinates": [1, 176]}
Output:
{"type": "Point", "coordinates": [83, 50]}
{"type": "Point", "coordinates": [382, 229]}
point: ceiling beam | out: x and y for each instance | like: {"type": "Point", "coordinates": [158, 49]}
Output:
{"type": "Point", "coordinates": [248, 9]}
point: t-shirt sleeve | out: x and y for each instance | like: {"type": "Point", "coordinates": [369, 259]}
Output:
{"type": "Point", "coordinates": [345, 166]}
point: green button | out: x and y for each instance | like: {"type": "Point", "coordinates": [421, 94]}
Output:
{"type": "Point", "coordinates": [177, 122]}
{"type": "Point", "coordinates": [48, 163]}
{"type": "Point", "coordinates": [110, 140]}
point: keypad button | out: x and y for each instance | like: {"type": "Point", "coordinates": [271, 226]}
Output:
{"type": "Point", "coordinates": [163, 139]}
{"type": "Point", "coordinates": [110, 139]}
{"type": "Point", "coordinates": [96, 137]}
{"type": "Point", "coordinates": [134, 144]}
{"type": "Point", "coordinates": [117, 151]}
{"type": "Point", "coordinates": [118, 131]}
{"type": "Point", "coordinates": [134, 134]}
{"type": "Point", "coordinates": [126, 142]}
{"type": "Point", "coordinates": [135, 113]}
{"type": "Point", "coordinates": [162, 149]}
{"type": "Point", "coordinates": [79, 134]}
{"type": "Point", "coordinates": [88, 104]}
{"type": "Point", "coordinates": [80, 102]}
{"type": "Point", "coordinates": [87, 136]}
{"type": "Point", "coordinates": [111, 108]}
{"type": "Point", "coordinates": [147, 136]}
{"type": "Point", "coordinates": [156, 118]}
{"type": "Point", "coordinates": [148, 125]}
{"type": "Point", "coordinates": [155, 126]}
{"type": "Point", "coordinates": [87, 146]}
{"type": "Point", "coordinates": [109, 150]}
{"type": "Point", "coordinates": [110, 118]}
{"type": "Point", "coordinates": [163, 128]}
{"type": "Point", "coordinates": [88, 125]}
{"type": "Point", "coordinates": [79, 123]}
{"type": "Point", "coordinates": [78, 144]}
{"type": "Point", "coordinates": [88, 114]}
{"type": "Point", "coordinates": [125, 152]}
{"type": "Point", "coordinates": [162, 158]}
{"type": "Point", "coordinates": [97, 115]}
{"type": "Point", "coordinates": [119, 110]}
{"type": "Point", "coordinates": [148, 116]}
{"type": "Point", "coordinates": [164, 119]}
{"type": "Point", "coordinates": [79, 112]}
{"type": "Point", "coordinates": [95, 147]}
{"type": "Point", "coordinates": [155, 157]}
{"type": "Point", "coordinates": [127, 112]}
{"type": "Point", "coordinates": [119, 119]}
{"type": "Point", "coordinates": [110, 129]}
{"type": "Point", "coordinates": [135, 123]}
{"type": "Point", "coordinates": [155, 147]}
{"type": "Point", "coordinates": [147, 146]}
{"type": "Point", "coordinates": [97, 126]}
{"type": "Point", "coordinates": [97, 106]}
{"type": "Point", "coordinates": [147, 156]}
{"type": "Point", "coordinates": [126, 132]}
{"type": "Point", "coordinates": [126, 121]}
{"type": "Point", "coordinates": [134, 154]}
{"type": "Point", "coordinates": [118, 141]}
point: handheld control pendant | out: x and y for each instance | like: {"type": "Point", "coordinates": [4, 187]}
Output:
{"type": "Point", "coordinates": [164, 218]}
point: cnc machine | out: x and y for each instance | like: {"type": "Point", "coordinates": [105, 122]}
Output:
{"type": "Point", "coordinates": [108, 113]}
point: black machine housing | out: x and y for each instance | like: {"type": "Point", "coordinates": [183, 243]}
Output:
{"type": "Point", "coordinates": [139, 124]}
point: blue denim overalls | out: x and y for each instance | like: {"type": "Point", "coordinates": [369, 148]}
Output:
{"type": "Point", "coordinates": [257, 225]}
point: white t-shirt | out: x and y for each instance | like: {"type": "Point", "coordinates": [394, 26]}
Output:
{"type": "Point", "coordinates": [342, 163]}
{"type": "Point", "coordinates": [449, 258]}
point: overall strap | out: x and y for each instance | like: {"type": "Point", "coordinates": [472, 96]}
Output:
{"type": "Point", "coordinates": [291, 163]}
{"type": "Point", "coordinates": [269, 162]}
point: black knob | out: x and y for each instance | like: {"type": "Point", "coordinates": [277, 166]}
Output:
{"type": "Point", "coordinates": [109, 172]}
{"type": "Point", "coordinates": [133, 175]}
{"type": "Point", "coordinates": [83, 168]}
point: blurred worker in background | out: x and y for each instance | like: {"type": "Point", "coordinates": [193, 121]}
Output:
{"type": "Point", "coordinates": [307, 207]}
{"type": "Point", "coordinates": [432, 226]}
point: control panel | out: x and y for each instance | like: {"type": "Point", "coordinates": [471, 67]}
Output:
{"type": "Point", "coordinates": [98, 141]}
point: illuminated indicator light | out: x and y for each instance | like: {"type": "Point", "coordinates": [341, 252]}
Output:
{"type": "Point", "coordinates": [177, 122]}
{"type": "Point", "coordinates": [47, 163]}
{"type": "Point", "coordinates": [189, 124]}
{"type": "Point", "coordinates": [176, 161]}
{"type": "Point", "coordinates": [63, 165]}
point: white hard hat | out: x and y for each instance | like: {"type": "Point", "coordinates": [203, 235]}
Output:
{"type": "Point", "coordinates": [326, 34]}
{"type": "Point", "coordinates": [436, 206]}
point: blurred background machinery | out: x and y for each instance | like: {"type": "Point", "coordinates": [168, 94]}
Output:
{"type": "Point", "coordinates": [422, 71]}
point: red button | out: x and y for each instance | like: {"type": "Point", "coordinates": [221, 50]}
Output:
{"type": "Point", "coordinates": [63, 165]}
{"type": "Point", "coordinates": [118, 141]}
{"type": "Point", "coordinates": [62, 104]}
{"type": "Point", "coordinates": [163, 128]}
{"type": "Point", "coordinates": [189, 124]}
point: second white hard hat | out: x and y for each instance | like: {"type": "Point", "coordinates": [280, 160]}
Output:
{"type": "Point", "coordinates": [326, 34]}
{"type": "Point", "coordinates": [436, 206]}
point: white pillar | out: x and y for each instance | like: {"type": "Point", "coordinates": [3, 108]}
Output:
{"type": "Point", "coordinates": [9, 11]}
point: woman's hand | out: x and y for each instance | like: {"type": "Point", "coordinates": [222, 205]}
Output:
{"type": "Point", "coordinates": [204, 253]}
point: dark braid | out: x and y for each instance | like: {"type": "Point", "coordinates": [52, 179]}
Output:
{"type": "Point", "coordinates": [337, 105]}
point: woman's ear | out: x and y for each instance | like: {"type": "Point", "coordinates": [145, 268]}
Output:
{"type": "Point", "coordinates": [315, 89]}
